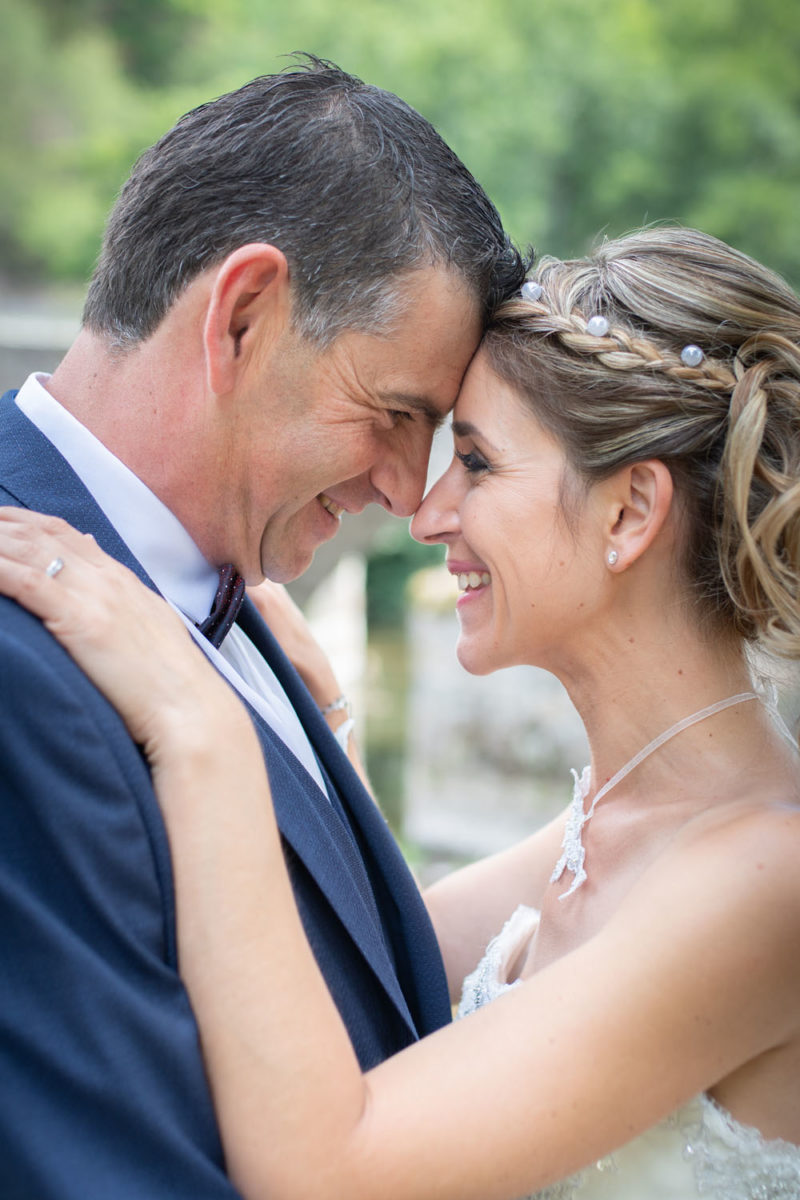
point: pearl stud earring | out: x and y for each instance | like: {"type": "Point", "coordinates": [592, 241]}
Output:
{"type": "Point", "coordinates": [612, 557]}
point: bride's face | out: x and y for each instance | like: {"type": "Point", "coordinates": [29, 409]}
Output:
{"type": "Point", "coordinates": [524, 573]}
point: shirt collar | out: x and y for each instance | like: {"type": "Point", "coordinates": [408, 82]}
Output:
{"type": "Point", "coordinates": [153, 533]}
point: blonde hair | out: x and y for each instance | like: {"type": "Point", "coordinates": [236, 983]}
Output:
{"type": "Point", "coordinates": [728, 428]}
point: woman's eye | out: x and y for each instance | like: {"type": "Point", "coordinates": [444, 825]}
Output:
{"type": "Point", "coordinates": [472, 461]}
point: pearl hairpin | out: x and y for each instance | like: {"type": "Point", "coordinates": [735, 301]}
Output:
{"type": "Point", "coordinates": [692, 356]}
{"type": "Point", "coordinates": [531, 291]}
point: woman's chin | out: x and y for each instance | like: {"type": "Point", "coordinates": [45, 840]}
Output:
{"type": "Point", "coordinates": [475, 658]}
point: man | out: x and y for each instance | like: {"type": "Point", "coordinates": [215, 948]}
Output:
{"type": "Point", "coordinates": [291, 286]}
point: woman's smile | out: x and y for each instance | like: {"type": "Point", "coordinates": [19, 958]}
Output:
{"type": "Point", "coordinates": [498, 509]}
{"type": "Point", "coordinates": [471, 578]}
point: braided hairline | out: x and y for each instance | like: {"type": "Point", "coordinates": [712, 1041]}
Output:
{"type": "Point", "coordinates": [728, 429]}
{"type": "Point", "coordinates": [746, 574]}
{"type": "Point", "coordinates": [620, 350]}
{"type": "Point", "coordinates": [749, 572]}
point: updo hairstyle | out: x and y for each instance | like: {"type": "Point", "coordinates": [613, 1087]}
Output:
{"type": "Point", "coordinates": [727, 428]}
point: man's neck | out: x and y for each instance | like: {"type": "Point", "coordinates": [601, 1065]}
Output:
{"type": "Point", "coordinates": [139, 404]}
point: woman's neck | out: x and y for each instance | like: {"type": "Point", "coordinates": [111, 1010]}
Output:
{"type": "Point", "coordinates": [640, 681]}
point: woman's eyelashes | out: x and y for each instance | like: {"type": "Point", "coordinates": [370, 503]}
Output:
{"type": "Point", "coordinates": [473, 462]}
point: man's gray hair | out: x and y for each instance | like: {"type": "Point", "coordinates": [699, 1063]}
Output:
{"type": "Point", "coordinates": [348, 181]}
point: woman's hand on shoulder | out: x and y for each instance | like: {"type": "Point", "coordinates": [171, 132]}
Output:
{"type": "Point", "coordinates": [125, 637]}
{"type": "Point", "coordinates": [289, 625]}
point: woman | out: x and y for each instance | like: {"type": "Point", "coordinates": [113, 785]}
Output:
{"type": "Point", "coordinates": [623, 509]}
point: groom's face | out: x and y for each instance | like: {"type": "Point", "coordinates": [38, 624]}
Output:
{"type": "Point", "coordinates": [334, 430]}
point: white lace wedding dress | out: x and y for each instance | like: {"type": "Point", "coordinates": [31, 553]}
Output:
{"type": "Point", "coordinates": [699, 1151]}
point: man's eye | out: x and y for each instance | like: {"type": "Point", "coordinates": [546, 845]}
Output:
{"type": "Point", "coordinates": [400, 414]}
{"type": "Point", "coordinates": [472, 462]}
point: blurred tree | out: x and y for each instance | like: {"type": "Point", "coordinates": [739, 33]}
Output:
{"type": "Point", "coordinates": [148, 33]}
{"type": "Point", "coordinates": [578, 118]}
{"type": "Point", "coordinates": [80, 113]}
{"type": "Point", "coordinates": [393, 557]}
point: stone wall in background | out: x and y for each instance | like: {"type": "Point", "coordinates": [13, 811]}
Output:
{"type": "Point", "coordinates": [35, 330]}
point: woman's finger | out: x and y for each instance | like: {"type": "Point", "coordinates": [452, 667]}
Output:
{"type": "Point", "coordinates": [41, 540]}
{"type": "Point", "coordinates": [123, 635]}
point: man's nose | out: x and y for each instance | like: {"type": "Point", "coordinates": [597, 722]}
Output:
{"type": "Point", "coordinates": [399, 477]}
{"type": "Point", "coordinates": [437, 518]}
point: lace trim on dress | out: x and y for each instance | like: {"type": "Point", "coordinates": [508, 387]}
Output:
{"type": "Point", "coordinates": [487, 981]}
{"type": "Point", "coordinates": [730, 1161]}
{"type": "Point", "coordinates": [735, 1160]}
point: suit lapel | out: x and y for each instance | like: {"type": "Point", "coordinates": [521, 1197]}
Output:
{"type": "Point", "coordinates": [419, 961]}
{"type": "Point", "coordinates": [352, 792]}
{"type": "Point", "coordinates": [358, 913]}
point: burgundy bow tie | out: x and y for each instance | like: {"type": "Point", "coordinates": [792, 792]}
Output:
{"type": "Point", "coordinates": [227, 603]}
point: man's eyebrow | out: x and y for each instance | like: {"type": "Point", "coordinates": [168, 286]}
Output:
{"type": "Point", "coordinates": [418, 404]}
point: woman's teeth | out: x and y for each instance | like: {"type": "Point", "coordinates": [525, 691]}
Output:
{"type": "Point", "coordinates": [334, 509]}
{"type": "Point", "coordinates": [473, 580]}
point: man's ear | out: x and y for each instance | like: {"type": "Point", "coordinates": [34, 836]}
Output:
{"type": "Point", "coordinates": [640, 502]}
{"type": "Point", "coordinates": [249, 302]}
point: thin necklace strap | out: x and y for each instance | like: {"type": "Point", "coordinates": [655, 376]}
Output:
{"type": "Point", "coordinates": [768, 695]}
{"type": "Point", "coordinates": [672, 732]}
{"type": "Point", "coordinates": [573, 852]}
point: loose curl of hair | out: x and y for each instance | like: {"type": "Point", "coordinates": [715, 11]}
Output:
{"type": "Point", "coordinates": [728, 429]}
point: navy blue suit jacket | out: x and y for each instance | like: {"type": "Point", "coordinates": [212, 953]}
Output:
{"type": "Point", "coordinates": [102, 1089]}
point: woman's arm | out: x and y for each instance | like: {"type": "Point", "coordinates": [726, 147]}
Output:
{"type": "Point", "coordinates": [468, 906]}
{"type": "Point", "coordinates": [555, 1074]}
{"type": "Point", "coordinates": [673, 995]}
{"type": "Point", "coordinates": [695, 975]}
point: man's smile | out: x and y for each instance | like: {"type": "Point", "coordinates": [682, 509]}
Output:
{"type": "Point", "coordinates": [335, 510]}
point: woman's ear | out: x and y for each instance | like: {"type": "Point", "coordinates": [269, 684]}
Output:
{"type": "Point", "coordinates": [249, 303]}
{"type": "Point", "coordinates": [641, 498]}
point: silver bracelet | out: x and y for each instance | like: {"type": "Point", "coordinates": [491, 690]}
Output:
{"type": "Point", "coordinates": [340, 704]}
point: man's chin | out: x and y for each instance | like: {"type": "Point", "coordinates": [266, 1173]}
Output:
{"type": "Point", "coordinates": [291, 557]}
{"type": "Point", "coordinates": [279, 570]}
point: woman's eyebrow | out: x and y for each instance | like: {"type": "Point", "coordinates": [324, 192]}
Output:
{"type": "Point", "coordinates": [467, 429]}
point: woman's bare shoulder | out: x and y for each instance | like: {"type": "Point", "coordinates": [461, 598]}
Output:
{"type": "Point", "coordinates": [753, 833]}
{"type": "Point", "coordinates": [726, 894]}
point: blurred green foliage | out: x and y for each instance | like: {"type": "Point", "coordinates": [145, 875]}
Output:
{"type": "Point", "coordinates": [577, 117]}
{"type": "Point", "coordinates": [392, 558]}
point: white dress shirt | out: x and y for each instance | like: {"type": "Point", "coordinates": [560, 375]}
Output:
{"type": "Point", "coordinates": [176, 566]}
